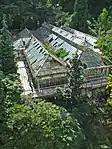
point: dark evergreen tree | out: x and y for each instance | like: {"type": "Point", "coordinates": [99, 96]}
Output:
{"type": "Point", "coordinates": [10, 88]}
{"type": "Point", "coordinates": [32, 13]}
{"type": "Point", "coordinates": [7, 63]}
{"type": "Point", "coordinates": [2, 110]}
{"type": "Point", "coordinates": [70, 94]}
{"type": "Point", "coordinates": [80, 15]}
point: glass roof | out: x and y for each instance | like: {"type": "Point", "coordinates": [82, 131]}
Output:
{"type": "Point", "coordinates": [36, 54]}
{"type": "Point", "coordinates": [90, 57]}
{"type": "Point", "coordinates": [77, 37]}
{"type": "Point", "coordinates": [19, 43]}
{"type": "Point", "coordinates": [90, 39]}
{"type": "Point", "coordinates": [57, 43]}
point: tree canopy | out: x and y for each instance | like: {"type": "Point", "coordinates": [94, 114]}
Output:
{"type": "Point", "coordinates": [44, 126]}
{"type": "Point", "coordinates": [32, 13]}
{"type": "Point", "coordinates": [102, 28]}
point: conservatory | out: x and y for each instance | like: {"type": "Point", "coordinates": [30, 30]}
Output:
{"type": "Point", "coordinates": [47, 70]}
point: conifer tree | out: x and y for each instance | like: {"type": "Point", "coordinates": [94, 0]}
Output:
{"type": "Point", "coordinates": [7, 63]}
{"type": "Point", "coordinates": [9, 82]}
{"type": "Point", "coordinates": [71, 92]}
{"type": "Point", "coordinates": [80, 15]}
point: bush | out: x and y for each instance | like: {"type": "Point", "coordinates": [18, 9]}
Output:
{"type": "Point", "coordinates": [46, 126]}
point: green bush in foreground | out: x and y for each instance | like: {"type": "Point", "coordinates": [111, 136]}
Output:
{"type": "Point", "coordinates": [45, 126]}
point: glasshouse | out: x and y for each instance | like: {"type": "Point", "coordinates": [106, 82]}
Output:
{"type": "Point", "coordinates": [48, 50]}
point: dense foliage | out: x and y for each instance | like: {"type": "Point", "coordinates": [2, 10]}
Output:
{"type": "Point", "coordinates": [73, 123]}
{"type": "Point", "coordinates": [61, 53]}
{"type": "Point", "coordinates": [10, 88]}
{"type": "Point", "coordinates": [70, 94]}
{"type": "Point", "coordinates": [28, 124]}
{"type": "Point", "coordinates": [102, 27]}
{"type": "Point", "coordinates": [109, 90]}
{"type": "Point", "coordinates": [89, 114]}
{"type": "Point", "coordinates": [43, 126]}
{"type": "Point", "coordinates": [7, 63]}
{"type": "Point", "coordinates": [32, 13]}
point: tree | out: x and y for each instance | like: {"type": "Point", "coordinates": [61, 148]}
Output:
{"type": "Point", "coordinates": [96, 124]}
{"type": "Point", "coordinates": [102, 28]}
{"type": "Point", "coordinates": [32, 13]}
{"type": "Point", "coordinates": [61, 18]}
{"type": "Point", "coordinates": [10, 82]}
{"type": "Point", "coordinates": [10, 91]}
{"type": "Point", "coordinates": [80, 15]}
{"type": "Point", "coordinates": [104, 42]}
{"type": "Point", "coordinates": [43, 126]}
{"type": "Point", "coordinates": [88, 114]}
{"type": "Point", "coordinates": [2, 111]}
{"type": "Point", "coordinates": [10, 88]}
{"type": "Point", "coordinates": [7, 63]}
{"type": "Point", "coordinates": [102, 24]}
{"type": "Point", "coordinates": [71, 92]}
{"type": "Point", "coordinates": [109, 91]}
